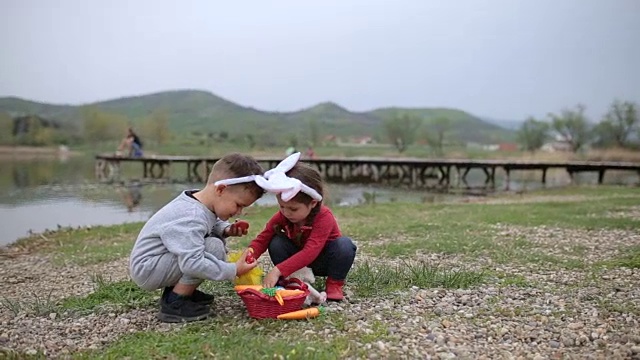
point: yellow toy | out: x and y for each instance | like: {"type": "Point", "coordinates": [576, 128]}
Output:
{"type": "Point", "coordinates": [253, 277]}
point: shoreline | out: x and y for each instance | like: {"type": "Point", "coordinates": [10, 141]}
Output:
{"type": "Point", "coordinates": [32, 152]}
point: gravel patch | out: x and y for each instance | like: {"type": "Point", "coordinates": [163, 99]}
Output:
{"type": "Point", "coordinates": [632, 213]}
{"type": "Point", "coordinates": [588, 246]}
{"type": "Point", "coordinates": [553, 312]}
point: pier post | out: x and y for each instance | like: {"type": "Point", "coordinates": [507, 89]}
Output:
{"type": "Point", "coordinates": [601, 176]}
{"type": "Point", "coordinates": [507, 178]}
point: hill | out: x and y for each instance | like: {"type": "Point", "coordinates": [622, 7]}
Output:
{"type": "Point", "coordinates": [199, 111]}
{"type": "Point", "coordinates": [506, 124]}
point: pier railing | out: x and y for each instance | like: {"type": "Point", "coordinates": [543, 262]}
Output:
{"type": "Point", "coordinates": [412, 172]}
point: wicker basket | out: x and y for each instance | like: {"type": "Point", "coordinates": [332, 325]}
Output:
{"type": "Point", "coordinates": [263, 306]}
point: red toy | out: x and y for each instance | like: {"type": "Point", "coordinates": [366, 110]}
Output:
{"type": "Point", "coordinates": [242, 225]}
{"type": "Point", "coordinates": [250, 259]}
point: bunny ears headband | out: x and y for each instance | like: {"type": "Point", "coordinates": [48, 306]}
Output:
{"type": "Point", "coordinates": [277, 181]}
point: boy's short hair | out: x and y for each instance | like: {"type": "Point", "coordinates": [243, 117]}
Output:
{"type": "Point", "coordinates": [237, 165]}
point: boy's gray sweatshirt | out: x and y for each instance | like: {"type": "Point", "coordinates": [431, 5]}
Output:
{"type": "Point", "coordinates": [180, 228]}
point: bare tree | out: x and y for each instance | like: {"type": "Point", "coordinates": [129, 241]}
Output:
{"type": "Point", "coordinates": [619, 123]}
{"type": "Point", "coordinates": [572, 125]}
{"type": "Point", "coordinates": [436, 132]}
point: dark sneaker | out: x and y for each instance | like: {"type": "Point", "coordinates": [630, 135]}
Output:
{"type": "Point", "coordinates": [200, 297]}
{"type": "Point", "coordinates": [182, 310]}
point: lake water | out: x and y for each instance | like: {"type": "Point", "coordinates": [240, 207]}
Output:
{"type": "Point", "coordinates": [41, 194]}
{"type": "Point", "coordinates": [45, 194]}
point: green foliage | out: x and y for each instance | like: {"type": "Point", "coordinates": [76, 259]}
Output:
{"type": "Point", "coordinates": [572, 125]}
{"type": "Point", "coordinates": [6, 129]}
{"type": "Point", "coordinates": [401, 130]}
{"type": "Point", "coordinates": [314, 133]}
{"type": "Point", "coordinates": [463, 127]}
{"type": "Point", "coordinates": [202, 112]}
{"type": "Point", "coordinates": [533, 134]}
{"type": "Point", "coordinates": [99, 125]}
{"type": "Point", "coordinates": [156, 128]}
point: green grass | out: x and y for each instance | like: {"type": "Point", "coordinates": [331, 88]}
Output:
{"type": "Point", "coordinates": [390, 231]}
{"type": "Point", "coordinates": [398, 229]}
{"type": "Point", "coordinates": [121, 294]}
{"type": "Point", "coordinates": [221, 339]}
{"type": "Point", "coordinates": [85, 246]}
{"type": "Point", "coordinates": [630, 258]}
{"type": "Point", "coordinates": [37, 304]}
{"type": "Point", "coordinates": [372, 280]}
{"type": "Point", "coordinates": [469, 229]}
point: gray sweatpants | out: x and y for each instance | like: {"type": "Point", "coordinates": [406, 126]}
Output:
{"type": "Point", "coordinates": [162, 271]}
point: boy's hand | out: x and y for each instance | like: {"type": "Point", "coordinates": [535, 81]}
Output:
{"type": "Point", "coordinates": [238, 228]}
{"type": "Point", "coordinates": [272, 278]}
{"type": "Point", "coordinates": [242, 266]}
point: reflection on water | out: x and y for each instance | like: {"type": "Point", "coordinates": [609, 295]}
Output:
{"type": "Point", "coordinates": [41, 194]}
{"type": "Point", "coordinates": [45, 194]}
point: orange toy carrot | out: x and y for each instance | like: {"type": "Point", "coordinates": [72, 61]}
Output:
{"type": "Point", "coordinates": [302, 314]}
{"type": "Point", "coordinates": [243, 287]}
{"type": "Point", "coordinates": [279, 299]}
{"type": "Point", "coordinates": [286, 293]}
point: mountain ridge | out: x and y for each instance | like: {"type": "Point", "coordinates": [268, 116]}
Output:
{"type": "Point", "coordinates": [199, 110]}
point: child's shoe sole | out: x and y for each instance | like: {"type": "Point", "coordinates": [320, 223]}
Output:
{"type": "Point", "coordinates": [168, 318]}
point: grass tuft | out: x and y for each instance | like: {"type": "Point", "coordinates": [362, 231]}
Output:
{"type": "Point", "coordinates": [39, 306]}
{"type": "Point", "coordinates": [122, 294]}
{"type": "Point", "coordinates": [630, 259]}
{"type": "Point", "coordinates": [371, 280]}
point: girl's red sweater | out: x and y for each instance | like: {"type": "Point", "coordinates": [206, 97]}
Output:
{"type": "Point", "coordinates": [310, 239]}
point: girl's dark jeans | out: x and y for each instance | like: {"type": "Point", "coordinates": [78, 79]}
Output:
{"type": "Point", "coordinates": [334, 261]}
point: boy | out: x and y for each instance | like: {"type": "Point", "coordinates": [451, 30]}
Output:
{"type": "Point", "coordinates": [184, 242]}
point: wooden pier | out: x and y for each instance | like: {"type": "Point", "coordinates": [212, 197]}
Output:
{"type": "Point", "coordinates": [412, 172]}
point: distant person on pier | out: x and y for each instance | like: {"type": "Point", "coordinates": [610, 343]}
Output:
{"type": "Point", "coordinates": [310, 154]}
{"type": "Point", "coordinates": [131, 145]}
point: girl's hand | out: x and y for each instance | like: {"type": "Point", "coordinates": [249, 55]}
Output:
{"type": "Point", "coordinates": [238, 228]}
{"type": "Point", "coordinates": [272, 278]}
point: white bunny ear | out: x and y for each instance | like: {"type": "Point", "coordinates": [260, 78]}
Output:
{"type": "Point", "coordinates": [285, 165]}
{"type": "Point", "coordinates": [277, 181]}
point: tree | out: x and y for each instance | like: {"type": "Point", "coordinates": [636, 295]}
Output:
{"type": "Point", "coordinates": [6, 129]}
{"type": "Point", "coordinates": [314, 132]}
{"type": "Point", "coordinates": [436, 133]}
{"type": "Point", "coordinates": [101, 126]}
{"type": "Point", "coordinates": [40, 135]}
{"type": "Point", "coordinates": [401, 130]}
{"type": "Point", "coordinates": [156, 127]}
{"type": "Point", "coordinates": [251, 140]}
{"type": "Point", "coordinates": [572, 125]}
{"type": "Point", "coordinates": [619, 124]}
{"type": "Point", "coordinates": [533, 134]}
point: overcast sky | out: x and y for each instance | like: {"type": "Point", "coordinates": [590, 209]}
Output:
{"type": "Point", "coordinates": [505, 59]}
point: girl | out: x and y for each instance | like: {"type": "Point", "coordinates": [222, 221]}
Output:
{"type": "Point", "coordinates": [304, 232]}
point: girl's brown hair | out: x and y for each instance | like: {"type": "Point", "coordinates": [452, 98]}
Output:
{"type": "Point", "coordinates": [312, 178]}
